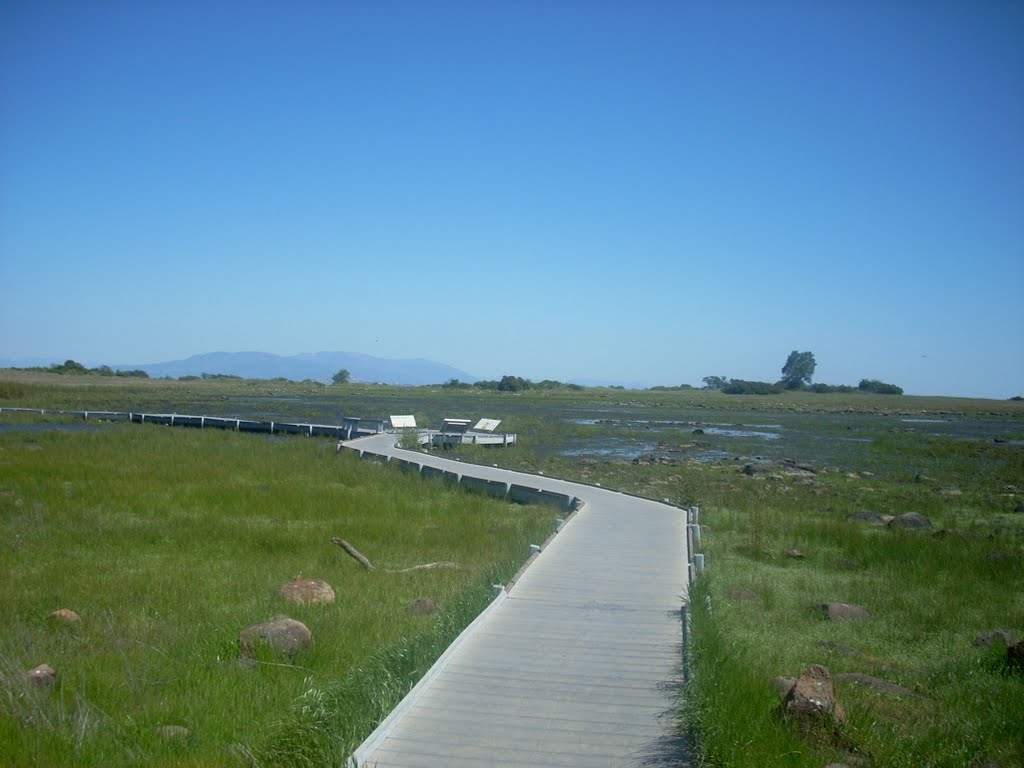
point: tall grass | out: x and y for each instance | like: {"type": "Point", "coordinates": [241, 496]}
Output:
{"type": "Point", "coordinates": [168, 542]}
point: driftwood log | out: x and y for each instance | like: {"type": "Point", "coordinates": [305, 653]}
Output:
{"type": "Point", "coordinates": [355, 553]}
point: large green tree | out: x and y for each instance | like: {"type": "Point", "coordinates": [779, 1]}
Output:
{"type": "Point", "coordinates": [341, 377]}
{"type": "Point", "coordinates": [798, 370]}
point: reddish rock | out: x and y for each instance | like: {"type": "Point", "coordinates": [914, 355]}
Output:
{"type": "Point", "coordinates": [307, 592]}
{"type": "Point", "coordinates": [811, 704]}
{"type": "Point", "coordinates": [64, 616]}
{"type": "Point", "coordinates": [43, 676]}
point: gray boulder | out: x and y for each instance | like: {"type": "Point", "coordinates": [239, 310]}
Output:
{"type": "Point", "coordinates": [911, 521]}
{"type": "Point", "coordinates": [281, 634]}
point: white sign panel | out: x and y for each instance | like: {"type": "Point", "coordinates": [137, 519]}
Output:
{"type": "Point", "coordinates": [487, 425]}
{"type": "Point", "coordinates": [403, 422]}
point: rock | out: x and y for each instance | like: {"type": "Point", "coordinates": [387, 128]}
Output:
{"type": "Point", "coordinates": [422, 606]}
{"type": "Point", "coordinates": [697, 431]}
{"type": "Point", "coordinates": [783, 684]}
{"type": "Point", "coordinates": [811, 704]}
{"type": "Point", "coordinates": [307, 592]}
{"type": "Point", "coordinates": [874, 682]}
{"type": "Point", "coordinates": [796, 554]}
{"type": "Point", "coordinates": [985, 640]}
{"type": "Point", "coordinates": [866, 516]}
{"type": "Point", "coordinates": [832, 645]}
{"type": "Point", "coordinates": [1015, 656]}
{"type": "Point", "coordinates": [173, 732]}
{"type": "Point", "coordinates": [742, 594]}
{"type": "Point", "coordinates": [647, 457]}
{"type": "Point", "coordinates": [64, 616]}
{"type": "Point", "coordinates": [43, 676]}
{"type": "Point", "coordinates": [911, 521]}
{"type": "Point", "coordinates": [281, 634]}
{"type": "Point", "coordinates": [845, 612]}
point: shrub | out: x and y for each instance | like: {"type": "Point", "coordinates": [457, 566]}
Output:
{"type": "Point", "coordinates": [831, 388]}
{"type": "Point", "coordinates": [741, 387]}
{"type": "Point", "coordinates": [879, 387]}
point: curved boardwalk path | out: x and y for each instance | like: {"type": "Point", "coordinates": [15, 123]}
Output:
{"type": "Point", "coordinates": [579, 664]}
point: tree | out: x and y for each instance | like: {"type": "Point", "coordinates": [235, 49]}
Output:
{"type": "Point", "coordinates": [798, 370]}
{"type": "Point", "coordinates": [513, 384]}
{"type": "Point", "coordinates": [715, 382]}
{"type": "Point", "coordinates": [341, 377]}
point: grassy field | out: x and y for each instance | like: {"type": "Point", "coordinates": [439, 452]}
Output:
{"type": "Point", "coordinates": [930, 594]}
{"type": "Point", "coordinates": [169, 542]}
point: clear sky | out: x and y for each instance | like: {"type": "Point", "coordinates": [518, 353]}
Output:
{"type": "Point", "coordinates": [646, 192]}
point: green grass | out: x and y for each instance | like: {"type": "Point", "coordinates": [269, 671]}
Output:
{"type": "Point", "coordinates": [168, 542]}
{"type": "Point", "coordinates": [929, 594]}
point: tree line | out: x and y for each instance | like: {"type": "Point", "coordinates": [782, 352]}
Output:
{"type": "Point", "coordinates": [797, 374]}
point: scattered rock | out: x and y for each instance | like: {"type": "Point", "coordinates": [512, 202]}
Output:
{"type": "Point", "coordinates": [697, 431]}
{"type": "Point", "coordinates": [1015, 656]}
{"type": "Point", "coordinates": [951, 492]}
{"type": "Point", "coordinates": [875, 682]}
{"type": "Point", "coordinates": [307, 592]}
{"type": "Point", "coordinates": [866, 516]}
{"type": "Point", "coordinates": [647, 457]}
{"type": "Point", "coordinates": [783, 684]}
{"type": "Point", "coordinates": [64, 616]}
{"type": "Point", "coordinates": [422, 606]}
{"type": "Point", "coordinates": [845, 612]}
{"type": "Point", "coordinates": [920, 477]}
{"type": "Point", "coordinates": [281, 634]}
{"type": "Point", "coordinates": [790, 463]}
{"type": "Point", "coordinates": [832, 645]}
{"type": "Point", "coordinates": [911, 521]}
{"type": "Point", "coordinates": [796, 554]}
{"type": "Point", "coordinates": [173, 732]}
{"type": "Point", "coordinates": [811, 703]}
{"type": "Point", "coordinates": [985, 640]}
{"type": "Point", "coordinates": [43, 676]}
{"type": "Point", "coordinates": [742, 594]}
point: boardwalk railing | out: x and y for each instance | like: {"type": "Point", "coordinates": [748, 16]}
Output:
{"type": "Point", "coordinates": [350, 428]}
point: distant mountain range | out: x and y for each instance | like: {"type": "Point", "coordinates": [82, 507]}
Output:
{"type": "Point", "coordinates": [320, 366]}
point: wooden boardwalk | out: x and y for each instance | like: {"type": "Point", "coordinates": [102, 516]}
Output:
{"type": "Point", "coordinates": [578, 664]}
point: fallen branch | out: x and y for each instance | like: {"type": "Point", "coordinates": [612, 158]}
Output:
{"type": "Point", "coordinates": [354, 552]}
{"type": "Point", "coordinates": [426, 566]}
{"type": "Point", "coordinates": [369, 566]}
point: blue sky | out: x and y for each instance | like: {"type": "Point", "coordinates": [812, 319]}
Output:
{"type": "Point", "coordinates": [645, 192]}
